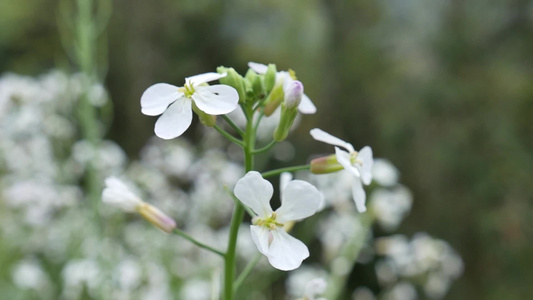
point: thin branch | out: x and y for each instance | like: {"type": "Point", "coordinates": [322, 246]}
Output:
{"type": "Point", "coordinates": [229, 136]}
{"type": "Point", "coordinates": [265, 148]}
{"type": "Point", "coordinates": [288, 169]}
{"type": "Point", "coordinates": [197, 243]}
{"type": "Point", "coordinates": [249, 267]}
{"type": "Point", "coordinates": [233, 125]}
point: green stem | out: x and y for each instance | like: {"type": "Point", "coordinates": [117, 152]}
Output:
{"type": "Point", "coordinates": [85, 54]}
{"type": "Point", "coordinates": [197, 243]}
{"type": "Point", "coordinates": [246, 271]}
{"type": "Point", "coordinates": [238, 210]}
{"type": "Point", "coordinates": [288, 169]}
{"type": "Point", "coordinates": [261, 114]}
{"type": "Point", "coordinates": [229, 136]}
{"type": "Point", "coordinates": [233, 125]}
{"type": "Point", "coordinates": [265, 148]}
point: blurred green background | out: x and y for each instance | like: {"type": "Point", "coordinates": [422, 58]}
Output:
{"type": "Point", "coordinates": [443, 89]}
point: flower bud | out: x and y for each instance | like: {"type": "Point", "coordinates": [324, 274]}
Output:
{"type": "Point", "coordinates": [270, 77]}
{"type": "Point", "coordinates": [273, 100]}
{"type": "Point", "coordinates": [117, 194]}
{"type": "Point", "coordinates": [285, 122]}
{"type": "Point", "coordinates": [258, 87]}
{"type": "Point", "coordinates": [156, 217]}
{"type": "Point", "coordinates": [325, 165]}
{"type": "Point", "coordinates": [234, 80]}
{"type": "Point", "coordinates": [293, 94]}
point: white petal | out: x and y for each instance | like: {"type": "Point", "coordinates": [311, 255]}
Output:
{"type": "Point", "coordinates": [216, 99]}
{"type": "Point", "coordinates": [286, 252]}
{"type": "Point", "coordinates": [258, 68]}
{"type": "Point", "coordinates": [175, 120]}
{"type": "Point", "coordinates": [284, 179]}
{"type": "Point", "coordinates": [343, 158]}
{"type": "Point", "coordinates": [321, 135]}
{"type": "Point", "coordinates": [306, 106]}
{"type": "Point", "coordinates": [359, 195]}
{"type": "Point", "coordinates": [255, 192]}
{"type": "Point", "coordinates": [260, 236]}
{"type": "Point", "coordinates": [203, 78]}
{"type": "Point", "coordinates": [156, 98]}
{"type": "Point", "coordinates": [365, 156]}
{"type": "Point", "coordinates": [300, 200]}
{"type": "Point", "coordinates": [117, 194]}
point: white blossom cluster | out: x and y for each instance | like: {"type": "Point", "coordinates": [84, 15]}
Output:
{"type": "Point", "coordinates": [75, 249]}
{"type": "Point", "coordinates": [42, 160]}
{"type": "Point", "coordinates": [424, 261]}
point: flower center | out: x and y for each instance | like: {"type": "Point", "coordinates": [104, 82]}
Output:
{"type": "Point", "coordinates": [187, 89]}
{"type": "Point", "coordinates": [292, 74]}
{"type": "Point", "coordinates": [354, 160]}
{"type": "Point", "coordinates": [269, 222]}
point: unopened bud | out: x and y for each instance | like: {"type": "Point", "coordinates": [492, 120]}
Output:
{"type": "Point", "coordinates": [273, 100]}
{"type": "Point", "coordinates": [258, 88]}
{"type": "Point", "coordinates": [270, 77]}
{"type": "Point", "coordinates": [293, 94]}
{"type": "Point", "coordinates": [156, 217]}
{"type": "Point", "coordinates": [325, 165]}
{"type": "Point", "coordinates": [285, 122]}
{"type": "Point", "coordinates": [234, 80]}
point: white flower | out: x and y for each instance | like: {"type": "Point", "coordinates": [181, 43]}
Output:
{"type": "Point", "coordinates": [175, 103]}
{"type": "Point", "coordinates": [314, 287]}
{"type": "Point", "coordinates": [299, 200]}
{"type": "Point", "coordinates": [391, 206]}
{"type": "Point", "coordinates": [306, 106]}
{"type": "Point", "coordinates": [358, 163]}
{"type": "Point", "coordinates": [117, 194]}
{"type": "Point", "coordinates": [384, 172]}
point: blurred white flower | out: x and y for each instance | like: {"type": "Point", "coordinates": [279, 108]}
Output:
{"type": "Point", "coordinates": [314, 288]}
{"type": "Point", "coordinates": [299, 200]}
{"type": "Point", "coordinates": [107, 156]}
{"type": "Point", "coordinates": [402, 291]}
{"type": "Point", "coordinates": [384, 172]}
{"type": "Point", "coordinates": [28, 274]}
{"type": "Point", "coordinates": [286, 79]}
{"type": "Point", "coordinates": [432, 261]}
{"type": "Point", "coordinates": [390, 206]}
{"type": "Point", "coordinates": [128, 274]}
{"type": "Point", "coordinates": [306, 280]}
{"type": "Point", "coordinates": [196, 289]}
{"type": "Point", "coordinates": [79, 273]}
{"type": "Point", "coordinates": [174, 104]}
{"type": "Point", "coordinates": [335, 230]}
{"type": "Point", "coordinates": [358, 163]}
{"type": "Point", "coordinates": [117, 194]}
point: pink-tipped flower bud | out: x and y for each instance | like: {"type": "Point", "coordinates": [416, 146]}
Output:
{"type": "Point", "coordinates": [293, 94]}
{"type": "Point", "coordinates": [117, 194]}
{"type": "Point", "coordinates": [325, 165]}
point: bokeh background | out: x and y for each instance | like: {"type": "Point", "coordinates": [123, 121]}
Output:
{"type": "Point", "coordinates": [443, 89]}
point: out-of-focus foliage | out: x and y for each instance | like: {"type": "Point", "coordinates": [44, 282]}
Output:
{"type": "Point", "coordinates": [443, 89]}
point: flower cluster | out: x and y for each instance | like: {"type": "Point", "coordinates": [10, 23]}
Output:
{"type": "Point", "coordinates": [194, 187]}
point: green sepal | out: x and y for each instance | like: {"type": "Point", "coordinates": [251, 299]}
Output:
{"type": "Point", "coordinates": [234, 80]}
{"type": "Point", "coordinates": [206, 119]}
